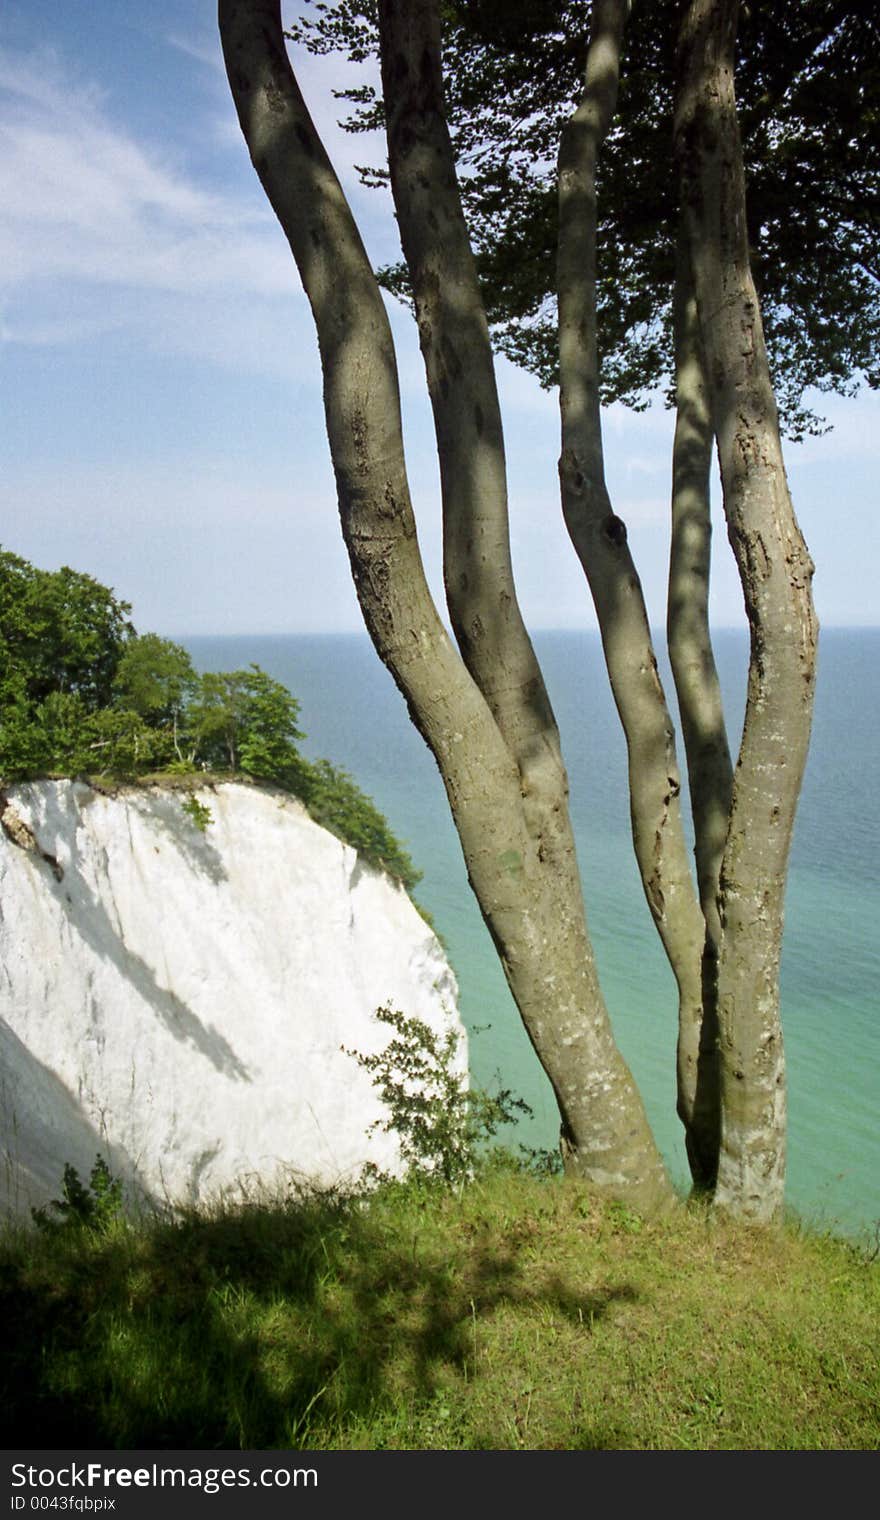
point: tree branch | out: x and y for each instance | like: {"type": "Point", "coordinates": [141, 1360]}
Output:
{"type": "Point", "coordinates": [710, 773]}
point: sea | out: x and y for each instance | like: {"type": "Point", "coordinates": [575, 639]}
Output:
{"type": "Point", "coordinates": [353, 715]}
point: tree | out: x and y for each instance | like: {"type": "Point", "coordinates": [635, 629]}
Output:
{"type": "Point", "coordinates": [483, 708]}
{"type": "Point", "coordinates": [244, 720]}
{"type": "Point", "coordinates": [60, 631]}
{"type": "Point", "coordinates": [155, 704]}
{"type": "Point", "coordinates": [62, 635]}
{"type": "Point", "coordinates": [155, 678]}
{"type": "Point", "coordinates": [115, 742]}
{"type": "Point", "coordinates": [809, 89]}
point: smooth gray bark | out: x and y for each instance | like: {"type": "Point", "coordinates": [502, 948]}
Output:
{"type": "Point", "coordinates": [710, 772]}
{"type": "Point", "coordinates": [525, 879]}
{"type": "Point", "coordinates": [776, 572]}
{"type": "Point", "coordinates": [600, 540]}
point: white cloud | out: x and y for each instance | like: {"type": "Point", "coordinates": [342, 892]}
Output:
{"type": "Point", "coordinates": [104, 232]}
{"type": "Point", "coordinates": [110, 236]}
{"type": "Point", "coordinates": [202, 50]}
{"type": "Point", "coordinates": [83, 201]}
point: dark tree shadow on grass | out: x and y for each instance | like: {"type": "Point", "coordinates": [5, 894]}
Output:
{"type": "Point", "coordinates": [260, 1329]}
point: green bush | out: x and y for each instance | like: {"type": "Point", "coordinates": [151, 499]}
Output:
{"type": "Point", "coordinates": [443, 1124]}
{"type": "Point", "coordinates": [24, 750]}
{"type": "Point", "coordinates": [95, 1207]}
{"type": "Point", "coordinates": [120, 743]}
{"type": "Point", "coordinates": [335, 801]}
{"type": "Point", "coordinates": [198, 812]}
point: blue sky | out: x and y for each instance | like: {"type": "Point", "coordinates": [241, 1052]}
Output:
{"type": "Point", "coordinates": [162, 424]}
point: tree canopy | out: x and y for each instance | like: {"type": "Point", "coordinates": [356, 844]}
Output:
{"type": "Point", "coordinates": [808, 90]}
{"type": "Point", "coordinates": [60, 632]}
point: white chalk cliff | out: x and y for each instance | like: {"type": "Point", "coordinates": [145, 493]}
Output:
{"type": "Point", "coordinates": [178, 1001]}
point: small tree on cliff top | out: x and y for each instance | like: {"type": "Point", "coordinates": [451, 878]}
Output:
{"type": "Point", "coordinates": [482, 706]}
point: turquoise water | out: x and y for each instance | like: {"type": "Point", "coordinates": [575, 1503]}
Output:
{"type": "Point", "coordinates": [353, 714]}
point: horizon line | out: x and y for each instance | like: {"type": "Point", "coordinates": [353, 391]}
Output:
{"type": "Point", "coordinates": [323, 633]}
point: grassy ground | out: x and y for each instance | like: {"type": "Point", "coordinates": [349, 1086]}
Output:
{"type": "Point", "coordinates": [520, 1313]}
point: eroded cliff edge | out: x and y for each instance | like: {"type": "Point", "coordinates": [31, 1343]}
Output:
{"type": "Point", "coordinates": [178, 1000]}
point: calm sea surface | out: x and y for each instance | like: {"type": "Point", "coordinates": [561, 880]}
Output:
{"type": "Point", "coordinates": [352, 714]}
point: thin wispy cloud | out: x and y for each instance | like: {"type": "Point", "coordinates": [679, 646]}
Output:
{"type": "Point", "coordinates": [90, 210]}
{"type": "Point", "coordinates": [134, 228]}
{"type": "Point", "coordinates": [203, 51]}
{"type": "Point", "coordinates": [84, 201]}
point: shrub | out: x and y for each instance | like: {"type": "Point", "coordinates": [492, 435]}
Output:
{"type": "Point", "coordinates": [443, 1124]}
{"type": "Point", "coordinates": [94, 1207]}
{"type": "Point", "coordinates": [198, 812]}
{"type": "Point", "coordinates": [82, 693]}
{"type": "Point", "coordinates": [336, 802]}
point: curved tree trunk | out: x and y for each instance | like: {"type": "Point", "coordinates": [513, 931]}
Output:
{"type": "Point", "coordinates": [600, 541]}
{"type": "Point", "coordinates": [775, 571]}
{"type": "Point", "coordinates": [524, 877]}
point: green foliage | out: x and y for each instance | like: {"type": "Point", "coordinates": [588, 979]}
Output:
{"type": "Point", "coordinates": [95, 1207]}
{"type": "Point", "coordinates": [336, 802]}
{"type": "Point", "coordinates": [82, 693]}
{"type": "Point", "coordinates": [61, 735]}
{"type": "Point", "coordinates": [269, 731]}
{"type": "Point", "coordinates": [245, 720]}
{"type": "Point", "coordinates": [199, 813]}
{"type": "Point", "coordinates": [154, 678]}
{"type": "Point", "coordinates": [22, 745]}
{"type": "Point", "coordinates": [214, 718]}
{"type": "Point", "coordinates": [442, 1123]}
{"type": "Point", "coordinates": [808, 90]}
{"type": "Point", "coordinates": [121, 743]}
{"type": "Point", "coordinates": [61, 638]}
{"type": "Point", "coordinates": [60, 632]}
{"type": "Point", "coordinates": [49, 735]}
{"type": "Point", "coordinates": [63, 723]}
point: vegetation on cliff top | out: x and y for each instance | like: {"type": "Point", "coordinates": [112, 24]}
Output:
{"type": "Point", "coordinates": [83, 694]}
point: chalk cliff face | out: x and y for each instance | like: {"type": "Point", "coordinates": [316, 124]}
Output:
{"type": "Point", "coordinates": [178, 1001]}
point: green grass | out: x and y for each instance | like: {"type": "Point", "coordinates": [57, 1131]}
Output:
{"type": "Point", "coordinates": [518, 1314]}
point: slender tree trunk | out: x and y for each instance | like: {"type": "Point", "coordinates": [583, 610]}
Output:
{"type": "Point", "coordinates": [600, 540]}
{"type": "Point", "coordinates": [710, 773]}
{"type": "Point", "coordinates": [524, 882]}
{"type": "Point", "coordinates": [776, 572]}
